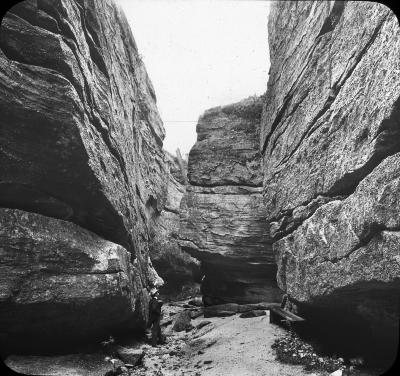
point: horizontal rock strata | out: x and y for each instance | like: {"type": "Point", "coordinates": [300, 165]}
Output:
{"type": "Point", "coordinates": [223, 218]}
{"type": "Point", "coordinates": [329, 138]}
{"type": "Point", "coordinates": [81, 137]}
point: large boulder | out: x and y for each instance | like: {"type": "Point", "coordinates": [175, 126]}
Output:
{"type": "Point", "coordinates": [55, 278]}
{"type": "Point", "coordinates": [222, 215]}
{"type": "Point", "coordinates": [81, 137]}
{"type": "Point", "coordinates": [329, 137]}
{"type": "Point", "coordinates": [348, 252]}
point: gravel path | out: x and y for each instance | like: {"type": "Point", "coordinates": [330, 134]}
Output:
{"type": "Point", "coordinates": [226, 346]}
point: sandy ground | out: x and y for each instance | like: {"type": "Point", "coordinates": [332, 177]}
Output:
{"type": "Point", "coordinates": [240, 346]}
{"type": "Point", "coordinates": [227, 346]}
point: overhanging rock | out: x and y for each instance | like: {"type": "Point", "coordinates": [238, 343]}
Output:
{"type": "Point", "coordinates": [81, 137]}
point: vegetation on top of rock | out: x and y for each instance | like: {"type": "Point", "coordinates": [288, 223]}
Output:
{"type": "Point", "coordinates": [249, 108]}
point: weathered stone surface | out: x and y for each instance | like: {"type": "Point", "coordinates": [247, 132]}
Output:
{"type": "Point", "coordinates": [223, 225]}
{"type": "Point", "coordinates": [226, 151]}
{"type": "Point", "coordinates": [55, 278]}
{"type": "Point", "coordinates": [329, 137]}
{"type": "Point", "coordinates": [182, 321]}
{"type": "Point", "coordinates": [180, 271]}
{"type": "Point", "coordinates": [351, 244]}
{"type": "Point", "coordinates": [130, 356]}
{"type": "Point", "coordinates": [332, 103]}
{"type": "Point", "coordinates": [80, 134]}
{"type": "Point", "coordinates": [225, 220]}
{"type": "Point", "coordinates": [225, 228]}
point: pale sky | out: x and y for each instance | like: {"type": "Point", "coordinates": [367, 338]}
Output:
{"type": "Point", "coordinates": [199, 54]}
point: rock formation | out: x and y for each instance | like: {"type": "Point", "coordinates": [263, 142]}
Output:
{"type": "Point", "coordinates": [180, 271]}
{"type": "Point", "coordinates": [330, 138]}
{"type": "Point", "coordinates": [56, 276]}
{"type": "Point", "coordinates": [223, 219]}
{"type": "Point", "coordinates": [81, 143]}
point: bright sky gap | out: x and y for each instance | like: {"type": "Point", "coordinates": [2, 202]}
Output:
{"type": "Point", "coordinates": [199, 54]}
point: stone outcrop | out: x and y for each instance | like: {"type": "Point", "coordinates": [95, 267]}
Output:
{"type": "Point", "coordinates": [223, 218]}
{"type": "Point", "coordinates": [329, 137]}
{"type": "Point", "coordinates": [226, 151]}
{"type": "Point", "coordinates": [180, 271]}
{"type": "Point", "coordinates": [56, 276]}
{"type": "Point", "coordinates": [81, 138]}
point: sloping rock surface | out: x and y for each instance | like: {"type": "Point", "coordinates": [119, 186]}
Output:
{"type": "Point", "coordinates": [223, 218]}
{"type": "Point", "coordinates": [80, 134]}
{"type": "Point", "coordinates": [331, 113]}
{"type": "Point", "coordinates": [55, 277]}
{"type": "Point", "coordinates": [329, 137]}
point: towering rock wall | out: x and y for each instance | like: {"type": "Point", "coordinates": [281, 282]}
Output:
{"type": "Point", "coordinates": [80, 146]}
{"type": "Point", "coordinates": [223, 219]}
{"type": "Point", "coordinates": [330, 141]}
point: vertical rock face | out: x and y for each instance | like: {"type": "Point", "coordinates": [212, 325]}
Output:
{"type": "Point", "coordinates": [223, 219]}
{"type": "Point", "coordinates": [330, 139]}
{"type": "Point", "coordinates": [179, 270]}
{"type": "Point", "coordinates": [80, 134]}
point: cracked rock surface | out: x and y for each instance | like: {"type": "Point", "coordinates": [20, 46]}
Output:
{"type": "Point", "coordinates": [331, 110]}
{"type": "Point", "coordinates": [330, 140]}
{"type": "Point", "coordinates": [54, 279]}
{"type": "Point", "coordinates": [80, 134]}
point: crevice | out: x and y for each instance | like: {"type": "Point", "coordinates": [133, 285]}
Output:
{"type": "Point", "coordinates": [388, 133]}
{"type": "Point", "coordinates": [288, 98]}
{"type": "Point", "coordinates": [277, 120]}
{"type": "Point", "coordinates": [304, 96]}
{"type": "Point", "coordinates": [370, 232]}
{"type": "Point", "coordinates": [171, 210]}
{"type": "Point", "coordinates": [59, 67]}
{"type": "Point", "coordinates": [290, 225]}
{"type": "Point", "coordinates": [232, 184]}
{"type": "Point", "coordinates": [332, 95]}
{"type": "Point", "coordinates": [387, 143]}
{"type": "Point", "coordinates": [108, 142]}
{"type": "Point", "coordinates": [35, 16]}
{"type": "Point", "coordinates": [309, 129]}
{"type": "Point", "coordinates": [289, 212]}
{"type": "Point", "coordinates": [95, 54]}
{"type": "Point", "coordinates": [333, 18]}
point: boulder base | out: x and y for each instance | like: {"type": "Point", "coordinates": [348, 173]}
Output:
{"type": "Point", "coordinates": [60, 282]}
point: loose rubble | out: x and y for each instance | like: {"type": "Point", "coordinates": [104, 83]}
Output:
{"type": "Point", "coordinates": [217, 346]}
